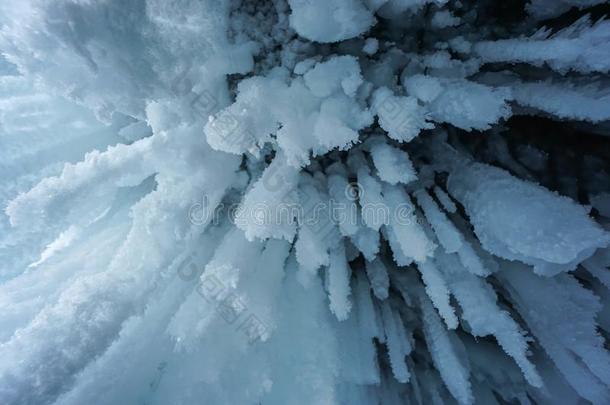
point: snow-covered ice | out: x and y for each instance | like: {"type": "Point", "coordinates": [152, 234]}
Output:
{"type": "Point", "coordinates": [304, 202]}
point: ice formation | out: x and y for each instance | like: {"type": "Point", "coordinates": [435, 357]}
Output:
{"type": "Point", "coordinates": [304, 202]}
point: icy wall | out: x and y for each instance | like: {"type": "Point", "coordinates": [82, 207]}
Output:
{"type": "Point", "coordinates": [304, 202]}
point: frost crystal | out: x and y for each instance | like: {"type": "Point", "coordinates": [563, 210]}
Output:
{"type": "Point", "coordinates": [304, 202]}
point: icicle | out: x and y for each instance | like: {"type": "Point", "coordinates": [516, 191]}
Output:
{"type": "Point", "coordinates": [577, 351]}
{"type": "Point", "coordinates": [378, 276]}
{"type": "Point", "coordinates": [398, 345]}
{"type": "Point", "coordinates": [541, 235]}
{"type": "Point", "coordinates": [401, 117]}
{"type": "Point", "coordinates": [393, 165]}
{"type": "Point", "coordinates": [344, 210]}
{"type": "Point", "coordinates": [445, 200]}
{"type": "Point", "coordinates": [437, 290]}
{"type": "Point", "coordinates": [374, 211]}
{"type": "Point", "coordinates": [409, 234]}
{"type": "Point", "coordinates": [339, 283]}
{"type": "Point", "coordinates": [563, 51]}
{"type": "Point", "coordinates": [367, 242]}
{"type": "Point", "coordinates": [317, 232]}
{"type": "Point", "coordinates": [367, 314]}
{"type": "Point", "coordinates": [447, 234]}
{"type": "Point", "coordinates": [598, 265]}
{"type": "Point", "coordinates": [267, 208]}
{"type": "Point", "coordinates": [479, 309]}
{"type": "Point", "coordinates": [451, 368]}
